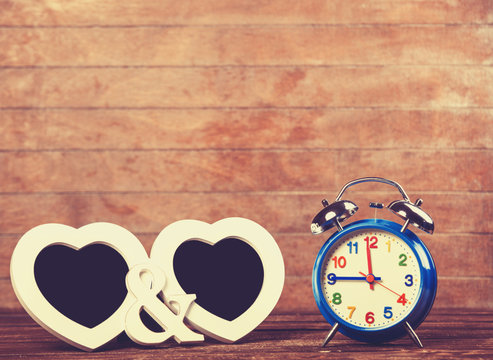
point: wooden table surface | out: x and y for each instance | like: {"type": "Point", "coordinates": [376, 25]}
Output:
{"type": "Point", "coordinates": [446, 334]}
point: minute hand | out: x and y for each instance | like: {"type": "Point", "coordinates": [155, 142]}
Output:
{"type": "Point", "coordinates": [368, 257]}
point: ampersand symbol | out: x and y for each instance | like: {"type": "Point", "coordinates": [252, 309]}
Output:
{"type": "Point", "coordinates": [146, 299]}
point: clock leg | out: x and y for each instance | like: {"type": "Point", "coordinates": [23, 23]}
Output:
{"type": "Point", "coordinates": [331, 334]}
{"type": "Point", "coordinates": [412, 335]}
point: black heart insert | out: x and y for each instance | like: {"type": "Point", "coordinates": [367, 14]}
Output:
{"type": "Point", "coordinates": [226, 277]}
{"type": "Point", "coordinates": [86, 285]}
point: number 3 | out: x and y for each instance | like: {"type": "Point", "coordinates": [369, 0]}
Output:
{"type": "Point", "coordinates": [409, 279]}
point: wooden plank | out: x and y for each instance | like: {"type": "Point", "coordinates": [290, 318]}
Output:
{"type": "Point", "coordinates": [213, 171]}
{"type": "Point", "coordinates": [422, 87]}
{"type": "Point", "coordinates": [213, 12]}
{"type": "Point", "coordinates": [472, 251]}
{"type": "Point", "coordinates": [277, 212]}
{"type": "Point", "coordinates": [226, 129]}
{"type": "Point", "coordinates": [297, 295]}
{"type": "Point", "coordinates": [191, 46]}
{"type": "Point", "coordinates": [446, 333]}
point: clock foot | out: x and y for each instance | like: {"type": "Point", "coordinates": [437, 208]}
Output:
{"type": "Point", "coordinates": [331, 334]}
{"type": "Point", "coordinates": [412, 335]}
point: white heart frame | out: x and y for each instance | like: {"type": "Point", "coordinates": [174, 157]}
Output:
{"type": "Point", "coordinates": [172, 236]}
{"type": "Point", "coordinates": [33, 301]}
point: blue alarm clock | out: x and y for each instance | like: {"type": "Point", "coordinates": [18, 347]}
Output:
{"type": "Point", "coordinates": [374, 280]}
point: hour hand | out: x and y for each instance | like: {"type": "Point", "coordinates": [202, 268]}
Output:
{"type": "Point", "coordinates": [333, 278]}
{"type": "Point", "coordinates": [356, 278]}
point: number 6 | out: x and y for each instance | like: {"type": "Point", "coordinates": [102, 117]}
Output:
{"type": "Point", "coordinates": [370, 317]}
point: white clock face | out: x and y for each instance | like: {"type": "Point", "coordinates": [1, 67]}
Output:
{"type": "Point", "coordinates": [371, 279]}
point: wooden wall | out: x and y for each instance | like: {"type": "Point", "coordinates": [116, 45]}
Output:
{"type": "Point", "coordinates": [144, 113]}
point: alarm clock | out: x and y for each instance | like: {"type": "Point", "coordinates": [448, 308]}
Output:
{"type": "Point", "coordinates": [374, 280]}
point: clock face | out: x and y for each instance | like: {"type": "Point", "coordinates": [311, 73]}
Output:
{"type": "Point", "coordinates": [371, 279]}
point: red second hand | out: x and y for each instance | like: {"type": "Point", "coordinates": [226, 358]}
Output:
{"type": "Point", "coordinates": [383, 286]}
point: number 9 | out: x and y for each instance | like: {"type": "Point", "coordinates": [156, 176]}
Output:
{"type": "Point", "coordinates": [332, 278]}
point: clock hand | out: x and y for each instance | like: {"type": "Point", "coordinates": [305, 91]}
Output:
{"type": "Point", "coordinates": [368, 257]}
{"type": "Point", "coordinates": [354, 278]}
{"type": "Point", "coordinates": [371, 278]}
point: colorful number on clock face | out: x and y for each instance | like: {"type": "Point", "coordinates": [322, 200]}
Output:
{"type": "Point", "coordinates": [360, 257]}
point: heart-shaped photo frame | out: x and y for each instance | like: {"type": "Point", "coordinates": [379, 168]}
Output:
{"type": "Point", "coordinates": [169, 240]}
{"type": "Point", "coordinates": [26, 285]}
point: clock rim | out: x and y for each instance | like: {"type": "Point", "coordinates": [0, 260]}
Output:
{"type": "Point", "coordinates": [424, 302]}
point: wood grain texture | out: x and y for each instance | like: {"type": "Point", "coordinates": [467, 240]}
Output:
{"type": "Point", "coordinates": [446, 333]}
{"type": "Point", "coordinates": [285, 45]}
{"type": "Point", "coordinates": [365, 86]}
{"type": "Point", "coordinates": [144, 113]}
{"type": "Point", "coordinates": [214, 12]}
{"type": "Point", "coordinates": [149, 212]}
{"type": "Point", "coordinates": [205, 129]}
{"type": "Point", "coordinates": [217, 171]}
